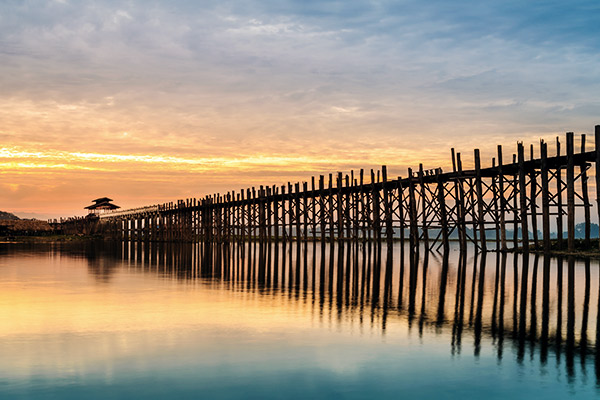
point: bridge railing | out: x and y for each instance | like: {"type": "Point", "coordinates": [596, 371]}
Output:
{"type": "Point", "coordinates": [130, 211]}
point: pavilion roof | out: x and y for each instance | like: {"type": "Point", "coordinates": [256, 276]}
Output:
{"type": "Point", "coordinates": [102, 200]}
{"type": "Point", "coordinates": [104, 205]}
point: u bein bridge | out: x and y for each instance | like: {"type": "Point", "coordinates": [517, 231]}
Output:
{"type": "Point", "coordinates": [513, 204]}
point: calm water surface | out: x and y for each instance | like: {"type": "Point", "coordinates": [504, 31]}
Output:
{"type": "Point", "coordinates": [125, 320]}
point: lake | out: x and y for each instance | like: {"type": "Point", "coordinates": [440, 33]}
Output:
{"type": "Point", "coordinates": [99, 320]}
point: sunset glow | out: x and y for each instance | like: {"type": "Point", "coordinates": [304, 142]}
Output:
{"type": "Point", "coordinates": [149, 103]}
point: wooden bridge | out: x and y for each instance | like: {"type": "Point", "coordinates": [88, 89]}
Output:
{"type": "Point", "coordinates": [508, 205]}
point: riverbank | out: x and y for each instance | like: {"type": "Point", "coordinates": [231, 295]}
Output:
{"type": "Point", "coordinates": [47, 238]}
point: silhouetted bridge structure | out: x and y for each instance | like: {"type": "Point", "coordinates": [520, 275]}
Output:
{"type": "Point", "coordinates": [512, 204]}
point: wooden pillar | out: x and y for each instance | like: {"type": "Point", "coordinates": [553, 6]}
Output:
{"type": "Point", "coordinates": [401, 212]}
{"type": "Point", "coordinates": [346, 208]}
{"type": "Point", "coordinates": [515, 206]}
{"type": "Point", "coordinates": [585, 197]}
{"type": "Point", "coordinates": [355, 198]}
{"type": "Point", "coordinates": [559, 203]}
{"type": "Point", "coordinates": [322, 215]}
{"type": "Point", "coordinates": [305, 209]}
{"type": "Point", "coordinates": [533, 201]}
{"type": "Point", "coordinates": [496, 204]}
{"type": "Point", "coordinates": [424, 213]}
{"type": "Point", "coordinates": [361, 199]}
{"type": "Point", "coordinates": [480, 205]}
{"type": "Point", "coordinates": [523, 198]}
{"type": "Point", "coordinates": [330, 208]}
{"type": "Point", "coordinates": [284, 233]}
{"type": "Point", "coordinates": [243, 216]}
{"type": "Point", "coordinates": [298, 212]}
{"type": "Point", "coordinates": [376, 207]}
{"type": "Point", "coordinates": [414, 230]}
{"type": "Point", "coordinates": [291, 214]}
{"type": "Point", "coordinates": [340, 217]}
{"type": "Point", "coordinates": [461, 205]}
{"type": "Point", "coordinates": [443, 214]}
{"type": "Point", "coordinates": [545, 197]}
{"type": "Point", "coordinates": [276, 213]}
{"type": "Point", "coordinates": [597, 144]}
{"type": "Point", "coordinates": [314, 209]}
{"type": "Point", "coordinates": [570, 193]}
{"type": "Point", "coordinates": [389, 230]}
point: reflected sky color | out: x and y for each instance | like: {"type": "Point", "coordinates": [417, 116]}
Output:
{"type": "Point", "coordinates": [100, 99]}
{"type": "Point", "coordinates": [107, 320]}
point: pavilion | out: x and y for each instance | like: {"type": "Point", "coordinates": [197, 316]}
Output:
{"type": "Point", "coordinates": [101, 205]}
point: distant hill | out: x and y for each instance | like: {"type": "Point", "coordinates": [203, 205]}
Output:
{"type": "Point", "coordinates": [8, 216]}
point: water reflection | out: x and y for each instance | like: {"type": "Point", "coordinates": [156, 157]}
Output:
{"type": "Point", "coordinates": [125, 300]}
{"type": "Point", "coordinates": [542, 308]}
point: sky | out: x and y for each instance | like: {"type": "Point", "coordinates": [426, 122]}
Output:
{"type": "Point", "coordinates": [148, 102]}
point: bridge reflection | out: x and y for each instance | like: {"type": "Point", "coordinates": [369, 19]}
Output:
{"type": "Point", "coordinates": [536, 307]}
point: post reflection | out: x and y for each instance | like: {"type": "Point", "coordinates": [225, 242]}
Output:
{"type": "Point", "coordinates": [542, 307]}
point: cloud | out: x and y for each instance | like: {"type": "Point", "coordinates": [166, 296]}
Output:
{"type": "Point", "coordinates": [322, 79]}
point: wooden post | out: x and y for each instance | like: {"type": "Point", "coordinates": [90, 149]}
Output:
{"type": "Point", "coordinates": [545, 196]}
{"type": "Point", "coordinates": [533, 201]}
{"type": "Point", "coordinates": [423, 207]}
{"type": "Point", "coordinates": [314, 210]}
{"type": "Point", "coordinates": [389, 230]}
{"type": "Point", "coordinates": [523, 198]}
{"type": "Point", "coordinates": [443, 214]}
{"type": "Point", "coordinates": [461, 206]}
{"type": "Point", "coordinates": [284, 233]}
{"type": "Point", "coordinates": [362, 205]}
{"type": "Point", "coordinates": [496, 206]}
{"type": "Point", "coordinates": [585, 197]}
{"type": "Point", "coordinates": [243, 216]}
{"type": "Point", "coordinates": [330, 209]}
{"type": "Point", "coordinates": [268, 224]}
{"type": "Point", "coordinates": [414, 232]}
{"type": "Point", "coordinates": [480, 205]}
{"type": "Point", "coordinates": [376, 207]}
{"type": "Point", "coordinates": [291, 213]}
{"type": "Point", "coordinates": [597, 144]}
{"type": "Point", "coordinates": [559, 190]}
{"type": "Point", "coordinates": [340, 217]}
{"type": "Point", "coordinates": [570, 193]}
{"type": "Point", "coordinates": [305, 210]}
{"type": "Point", "coordinates": [401, 213]}
{"type": "Point", "coordinates": [297, 212]}
{"type": "Point", "coordinates": [276, 214]}
{"type": "Point", "coordinates": [322, 206]}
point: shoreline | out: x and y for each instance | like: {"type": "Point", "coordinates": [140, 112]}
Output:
{"type": "Point", "coordinates": [591, 253]}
